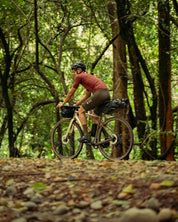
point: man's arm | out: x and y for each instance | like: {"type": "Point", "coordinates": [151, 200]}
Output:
{"type": "Point", "coordinates": [68, 97]}
{"type": "Point", "coordinates": [86, 96]}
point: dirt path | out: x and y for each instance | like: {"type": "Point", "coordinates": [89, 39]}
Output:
{"type": "Point", "coordinates": [84, 190]}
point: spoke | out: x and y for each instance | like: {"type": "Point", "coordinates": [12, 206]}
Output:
{"type": "Point", "coordinates": [122, 141]}
{"type": "Point", "coordinates": [65, 141]}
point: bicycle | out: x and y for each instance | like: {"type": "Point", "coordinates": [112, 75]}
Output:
{"type": "Point", "coordinates": [114, 136]}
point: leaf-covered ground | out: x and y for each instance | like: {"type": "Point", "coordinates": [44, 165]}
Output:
{"type": "Point", "coordinates": [85, 190]}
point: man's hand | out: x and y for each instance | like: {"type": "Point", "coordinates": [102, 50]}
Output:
{"type": "Point", "coordinates": [68, 97]}
{"type": "Point", "coordinates": [59, 105]}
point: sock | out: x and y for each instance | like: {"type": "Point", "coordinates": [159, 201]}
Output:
{"type": "Point", "coordinates": [85, 130]}
{"type": "Point", "coordinates": [93, 129]}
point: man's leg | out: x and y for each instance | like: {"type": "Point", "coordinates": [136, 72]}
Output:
{"type": "Point", "coordinates": [94, 125]}
{"type": "Point", "coordinates": [92, 103]}
{"type": "Point", "coordinates": [86, 138]}
{"type": "Point", "coordinates": [83, 119]}
{"type": "Point", "coordinates": [94, 119]}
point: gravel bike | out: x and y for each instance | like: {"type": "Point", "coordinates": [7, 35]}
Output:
{"type": "Point", "coordinates": [113, 137]}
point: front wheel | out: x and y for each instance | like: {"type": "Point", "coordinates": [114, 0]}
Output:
{"type": "Point", "coordinates": [64, 139]}
{"type": "Point", "coordinates": [119, 136]}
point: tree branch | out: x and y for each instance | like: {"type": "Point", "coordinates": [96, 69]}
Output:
{"type": "Point", "coordinates": [173, 20]}
{"type": "Point", "coordinates": [175, 6]}
{"type": "Point", "coordinates": [102, 53]}
{"type": "Point", "coordinates": [30, 113]}
{"type": "Point", "coordinates": [20, 11]}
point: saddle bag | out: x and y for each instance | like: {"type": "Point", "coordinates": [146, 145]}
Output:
{"type": "Point", "coordinates": [111, 106]}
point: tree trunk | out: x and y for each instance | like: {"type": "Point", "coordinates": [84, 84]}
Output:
{"type": "Point", "coordinates": [154, 102]}
{"type": "Point", "coordinates": [119, 61]}
{"type": "Point", "coordinates": [3, 129]}
{"type": "Point", "coordinates": [5, 93]}
{"type": "Point", "coordinates": [36, 32]}
{"type": "Point", "coordinates": [165, 110]}
{"type": "Point", "coordinates": [119, 56]}
{"type": "Point", "coordinates": [127, 34]}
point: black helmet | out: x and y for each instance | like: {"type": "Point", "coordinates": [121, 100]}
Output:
{"type": "Point", "coordinates": [79, 65]}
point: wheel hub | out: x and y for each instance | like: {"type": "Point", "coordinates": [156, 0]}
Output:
{"type": "Point", "coordinates": [114, 139]}
{"type": "Point", "coordinates": [65, 140]}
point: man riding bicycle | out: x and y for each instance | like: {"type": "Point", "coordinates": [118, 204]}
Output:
{"type": "Point", "coordinates": [93, 85]}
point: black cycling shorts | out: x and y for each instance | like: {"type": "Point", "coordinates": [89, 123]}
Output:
{"type": "Point", "coordinates": [96, 100]}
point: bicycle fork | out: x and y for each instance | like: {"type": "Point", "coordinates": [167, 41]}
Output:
{"type": "Point", "coordinates": [71, 127]}
{"type": "Point", "coordinates": [69, 130]}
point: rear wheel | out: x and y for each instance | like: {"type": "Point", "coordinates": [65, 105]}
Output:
{"type": "Point", "coordinates": [64, 141]}
{"type": "Point", "coordinates": [119, 136]}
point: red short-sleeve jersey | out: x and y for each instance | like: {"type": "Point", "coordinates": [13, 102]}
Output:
{"type": "Point", "coordinates": [90, 82]}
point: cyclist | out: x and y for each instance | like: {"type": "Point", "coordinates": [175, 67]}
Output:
{"type": "Point", "coordinates": [93, 85]}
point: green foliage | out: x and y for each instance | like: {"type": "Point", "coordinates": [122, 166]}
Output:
{"type": "Point", "coordinates": [68, 32]}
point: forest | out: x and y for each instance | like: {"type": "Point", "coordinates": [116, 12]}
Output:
{"type": "Point", "coordinates": [130, 44]}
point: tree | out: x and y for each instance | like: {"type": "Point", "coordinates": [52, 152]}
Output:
{"type": "Point", "coordinates": [41, 39]}
{"type": "Point", "coordinates": [5, 92]}
{"type": "Point", "coordinates": [165, 110]}
{"type": "Point", "coordinates": [126, 31]}
{"type": "Point", "coordinates": [120, 76]}
{"type": "Point", "coordinates": [36, 73]}
{"type": "Point", "coordinates": [119, 56]}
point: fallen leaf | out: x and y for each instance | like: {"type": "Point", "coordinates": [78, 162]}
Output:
{"type": "Point", "coordinates": [167, 183]}
{"type": "Point", "coordinates": [39, 186]}
{"type": "Point", "coordinates": [121, 202]}
{"type": "Point", "coordinates": [10, 182]}
{"type": "Point", "coordinates": [129, 189]}
{"type": "Point", "coordinates": [155, 186]}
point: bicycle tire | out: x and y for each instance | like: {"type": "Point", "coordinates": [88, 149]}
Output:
{"type": "Point", "coordinates": [122, 138]}
{"type": "Point", "coordinates": [70, 147]}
